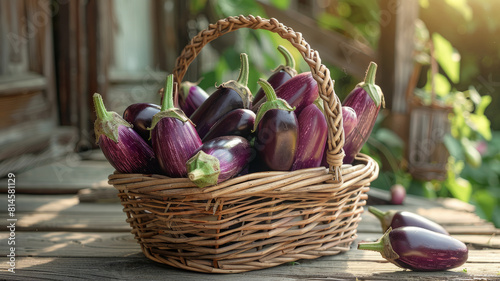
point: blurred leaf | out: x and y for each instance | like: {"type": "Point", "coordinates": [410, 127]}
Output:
{"type": "Point", "coordinates": [447, 57]}
{"type": "Point", "coordinates": [454, 147]}
{"type": "Point", "coordinates": [481, 124]}
{"type": "Point", "coordinates": [281, 4]}
{"type": "Point", "coordinates": [442, 87]}
{"type": "Point", "coordinates": [462, 7]}
{"type": "Point", "coordinates": [197, 6]}
{"type": "Point", "coordinates": [486, 202]}
{"type": "Point", "coordinates": [459, 187]}
{"type": "Point", "coordinates": [238, 7]}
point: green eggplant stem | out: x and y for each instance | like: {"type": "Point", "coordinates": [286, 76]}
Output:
{"type": "Point", "coordinates": [268, 90]}
{"type": "Point", "coordinates": [377, 246]}
{"type": "Point", "coordinates": [289, 61]}
{"type": "Point", "coordinates": [244, 70]}
{"type": "Point", "coordinates": [100, 109]}
{"type": "Point", "coordinates": [168, 98]}
{"type": "Point", "coordinates": [272, 102]}
{"type": "Point", "coordinates": [378, 213]}
{"type": "Point", "coordinates": [371, 73]}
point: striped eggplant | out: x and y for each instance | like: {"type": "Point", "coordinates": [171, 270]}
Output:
{"type": "Point", "coordinates": [123, 147]}
{"type": "Point", "coordinates": [312, 138]}
{"type": "Point", "coordinates": [366, 99]}
{"type": "Point", "coordinates": [191, 96]}
{"type": "Point", "coordinates": [228, 96]}
{"type": "Point", "coordinates": [419, 249]}
{"type": "Point", "coordinates": [299, 92]}
{"type": "Point", "coordinates": [238, 122]}
{"type": "Point", "coordinates": [173, 135]}
{"type": "Point", "coordinates": [280, 75]}
{"type": "Point", "coordinates": [276, 131]}
{"type": "Point", "coordinates": [140, 116]}
{"type": "Point", "coordinates": [397, 219]}
{"type": "Point", "coordinates": [349, 121]}
{"type": "Point", "coordinates": [218, 159]}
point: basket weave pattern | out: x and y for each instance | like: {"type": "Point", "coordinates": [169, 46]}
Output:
{"type": "Point", "coordinates": [258, 220]}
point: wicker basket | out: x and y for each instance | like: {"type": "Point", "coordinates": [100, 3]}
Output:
{"type": "Point", "coordinates": [258, 220]}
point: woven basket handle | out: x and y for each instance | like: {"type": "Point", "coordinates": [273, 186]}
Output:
{"type": "Point", "coordinates": [332, 105]}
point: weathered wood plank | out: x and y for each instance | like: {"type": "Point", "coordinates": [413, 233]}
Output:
{"type": "Point", "coordinates": [119, 244]}
{"type": "Point", "coordinates": [139, 268]}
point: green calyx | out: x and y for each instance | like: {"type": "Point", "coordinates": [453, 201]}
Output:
{"type": "Point", "coordinates": [107, 122]}
{"type": "Point", "coordinates": [385, 218]}
{"type": "Point", "coordinates": [272, 102]}
{"type": "Point", "coordinates": [370, 87]}
{"type": "Point", "coordinates": [168, 108]}
{"type": "Point", "coordinates": [240, 85]}
{"type": "Point", "coordinates": [289, 66]}
{"type": "Point", "coordinates": [203, 169]}
{"type": "Point", "coordinates": [382, 245]}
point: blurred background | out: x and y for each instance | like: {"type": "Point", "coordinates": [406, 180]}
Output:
{"type": "Point", "coordinates": [439, 63]}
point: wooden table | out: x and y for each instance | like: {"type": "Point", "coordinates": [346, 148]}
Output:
{"type": "Point", "coordinates": [59, 237]}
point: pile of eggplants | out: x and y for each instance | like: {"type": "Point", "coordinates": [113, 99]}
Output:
{"type": "Point", "coordinates": [210, 138]}
{"type": "Point", "coordinates": [414, 242]}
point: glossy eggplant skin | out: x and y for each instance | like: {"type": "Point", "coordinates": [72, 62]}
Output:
{"type": "Point", "coordinates": [191, 97]}
{"type": "Point", "coordinates": [232, 154]}
{"type": "Point", "coordinates": [238, 122]}
{"type": "Point", "coordinates": [300, 91]}
{"type": "Point", "coordinates": [312, 138]}
{"type": "Point", "coordinates": [123, 147]}
{"type": "Point", "coordinates": [349, 119]}
{"type": "Point", "coordinates": [420, 249]}
{"type": "Point", "coordinates": [276, 139]}
{"type": "Point", "coordinates": [173, 135]}
{"type": "Point", "coordinates": [221, 102]}
{"type": "Point", "coordinates": [366, 99]}
{"type": "Point", "coordinates": [280, 75]}
{"type": "Point", "coordinates": [396, 219]}
{"type": "Point", "coordinates": [131, 154]}
{"type": "Point", "coordinates": [174, 142]}
{"type": "Point", "coordinates": [140, 116]}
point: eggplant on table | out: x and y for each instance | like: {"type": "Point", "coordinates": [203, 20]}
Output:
{"type": "Point", "coordinates": [276, 131]}
{"type": "Point", "coordinates": [228, 96]}
{"type": "Point", "coordinates": [395, 219]}
{"type": "Point", "coordinates": [173, 135]}
{"type": "Point", "coordinates": [123, 147]}
{"type": "Point", "coordinates": [419, 249]}
{"type": "Point", "coordinates": [366, 99]}
{"type": "Point", "coordinates": [218, 159]}
{"type": "Point", "coordinates": [280, 75]}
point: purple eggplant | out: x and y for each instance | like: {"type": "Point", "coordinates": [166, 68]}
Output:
{"type": "Point", "coordinates": [280, 75]}
{"type": "Point", "coordinates": [123, 147]}
{"type": "Point", "coordinates": [366, 99]}
{"type": "Point", "coordinates": [419, 249]}
{"type": "Point", "coordinates": [140, 116]}
{"type": "Point", "coordinates": [312, 138]}
{"type": "Point", "coordinates": [396, 219]}
{"type": "Point", "coordinates": [227, 97]}
{"type": "Point", "coordinates": [173, 135]}
{"type": "Point", "coordinates": [238, 122]}
{"type": "Point", "coordinates": [276, 128]}
{"type": "Point", "coordinates": [191, 96]}
{"type": "Point", "coordinates": [218, 159]}
{"type": "Point", "coordinates": [349, 119]}
{"type": "Point", "coordinates": [300, 91]}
